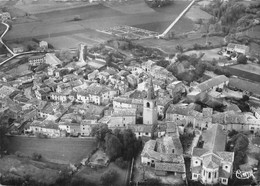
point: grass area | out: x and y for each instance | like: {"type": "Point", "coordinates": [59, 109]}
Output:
{"type": "Point", "coordinates": [170, 45]}
{"type": "Point", "coordinates": [252, 68]}
{"type": "Point", "coordinates": [58, 150]}
{"type": "Point", "coordinates": [95, 174]}
{"type": "Point", "coordinates": [14, 167]}
{"type": "Point", "coordinates": [95, 17]}
{"type": "Point", "coordinates": [243, 73]}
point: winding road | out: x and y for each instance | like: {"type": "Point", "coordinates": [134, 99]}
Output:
{"type": "Point", "coordinates": [9, 50]}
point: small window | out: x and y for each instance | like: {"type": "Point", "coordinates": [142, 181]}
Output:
{"type": "Point", "coordinates": [209, 175]}
{"type": "Point", "coordinates": [224, 180]}
{"type": "Point", "coordinates": [252, 128]}
{"type": "Point", "coordinates": [146, 133]}
{"type": "Point", "coordinates": [215, 174]}
{"type": "Point", "coordinates": [226, 167]}
{"type": "Point", "coordinates": [195, 175]}
{"type": "Point", "coordinates": [196, 162]}
{"type": "Point", "coordinates": [148, 105]}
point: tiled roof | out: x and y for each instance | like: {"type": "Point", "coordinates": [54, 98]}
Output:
{"type": "Point", "coordinates": [226, 156]}
{"type": "Point", "coordinates": [198, 152]}
{"type": "Point", "coordinates": [170, 167]}
{"type": "Point", "coordinates": [124, 112]}
{"type": "Point", "coordinates": [212, 82]}
{"type": "Point", "coordinates": [141, 128]}
{"type": "Point", "coordinates": [211, 161]}
{"type": "Point", "coordinates": [214, 138]}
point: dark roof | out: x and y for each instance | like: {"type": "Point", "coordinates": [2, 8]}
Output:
{"type": "Point", "coordinates": [170, 167]}
{"type": "Point", "coordinates": [199, 152]}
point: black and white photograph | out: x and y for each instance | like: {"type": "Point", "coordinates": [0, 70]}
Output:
{"type": "Point", "coordinates": [129, 92]}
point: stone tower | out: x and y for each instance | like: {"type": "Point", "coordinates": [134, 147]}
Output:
{"type": "Point", "coordinates": [149, 107]}
{"type": "Point", "coordinates": [82, 51]}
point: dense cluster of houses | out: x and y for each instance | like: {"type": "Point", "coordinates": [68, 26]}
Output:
{"type": "Point", "coordinates": [59, 99]}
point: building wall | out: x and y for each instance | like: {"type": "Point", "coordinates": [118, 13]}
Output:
{"type": "Point", "coordinates": [85, 130]}
{"type": "Point", "coordinates": [149, 112]}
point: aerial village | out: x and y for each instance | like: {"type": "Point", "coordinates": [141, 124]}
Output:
{"type": "Point", "coordinates": [190, 132]}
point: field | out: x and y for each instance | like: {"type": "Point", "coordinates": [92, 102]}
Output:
{"type": "Point", "coordinates": [248, 71]}
{"type": "Point", "coordinates": [169, 46]}
{"type": "Point", "coordinates": [59, 25]}
{"type": "Point", "coordinates": [59, 150]}
{"type": "Point", "coordinates": [14, 167]}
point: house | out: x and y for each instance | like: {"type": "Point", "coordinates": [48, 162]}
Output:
{"type": "Point", "coordinates": [36, 60]}
{"type": "Point", "coordinates": [70, 128]}
{"type": "Point", "coordinates": [52, 60]}
{"type": "Point", "coordinates": [142, 130]}
{"type": "Point", "coordinates": [86, 126]}
{"type": "Point", "coordinates": [17, 49]}
{"type": "Point", "coordinates": [161, 154]}
{"type": "Point", "coordinates": [132, 80]}
{"type": "Point", "coordinates": [6, 91]}
{"type": "Point", "coordinates": [60, 72]}
{"type": "Point", "coordinates": [46, 127]}
{"type": "Point", "coordinates": [122, 118]}
{"type": "Point", "coordinates": [43, 44]}
{"type": "Point", "coordinates": [5, 15]}
{"type": "Point", "coordinates": [212, 164]}
{"type": "Point", "coordinates": [43, 93]}
{"type": "Point", "coordinates": [159, 72]}
{"type": "Point", "coordinates": [147, 66]}
{"type": "Point", "coordinates": [200, 90]}
{"type": "Point", "coordinates": [162, 104]}
{"type": "Point", "coordinates": [176, 89]}
{"type": "Point", "coordinates": [237, 48]}
{"type": "Point", "coordinates": [97, 94]}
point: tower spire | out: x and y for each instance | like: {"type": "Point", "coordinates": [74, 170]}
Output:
{"type": "Point", "coordinates": [150, 92]}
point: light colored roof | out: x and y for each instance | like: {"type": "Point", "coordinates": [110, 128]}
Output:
{"type": "Point", "coordinates": [52, 59]}
{"type": "Point", "coordinates": [124, 112]}
{"type": "Point", "coordinates": [141, 128]}
{"type": "Point", "coordinates": [215, 138]}
{"type": "Point", "coordinates": [212, 82]}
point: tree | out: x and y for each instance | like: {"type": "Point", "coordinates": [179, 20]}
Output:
{"type": "Point", "coordinates": [100, 131]}
{"type": "Point", "coordinates": [113, 146]}
{"type": "Point", "coordinates": [131, 145]}
{"type": "Point", "coordinates": [3, 131]}
{"type": "Point", "coordinates": [109, 177]}
{"type": "Point", "coordinates": [153, 182]}
{"type": "Point", "coordinates": [242, 59]}
{"type": "Point", "coordinates": [179, 48]}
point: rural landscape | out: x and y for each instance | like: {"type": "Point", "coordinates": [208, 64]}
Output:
{"type": "Point", "coordinates": [129, 92]}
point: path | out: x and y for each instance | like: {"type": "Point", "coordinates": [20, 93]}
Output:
{"type": "Point", "coordinates": [9, 50]}
{"type": "Point", "coordinates": [176, 20]}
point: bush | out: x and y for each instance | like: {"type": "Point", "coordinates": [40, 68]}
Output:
{"type": "Point", "coordinates": [36, 156]}
{"type": "Point", "coordinates": [109, 177]}
{"type": "Point", "coordinates": [121, 163]}
{"type": "Point", "coordinates": [41, 135]}
{"type": "Point", "coordinates": [19, 154]}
